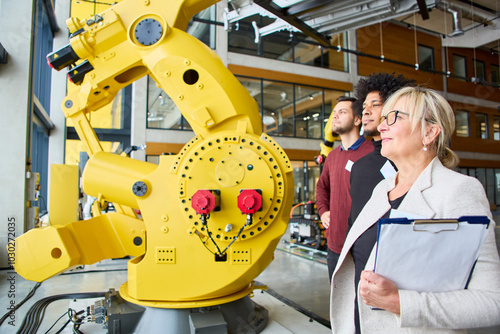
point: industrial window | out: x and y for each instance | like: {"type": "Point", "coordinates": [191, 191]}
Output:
{"type": "Point", "coordinates": [43, 30]}
{"type": "Point", "coordinates": [426, 57]}
{"type": "Point", "coordinates": [162, 112]}
{"type": "Point", "coordinates": [479, 72]}
{"type": "Point", "coordinates": [291, 110]}
{"type": "Point", "coordinates": [203, 26]}
{"type": "Point", "coordinates": [308, 107]}
{"type": "Point", "coordinates": [287, 109]}
{"type": "Point", "coordinates": [305, 176]}
{"type": "Point", "coordinates": [497, 186]}
{"type": "Point", "coordinates": [285, 45]}
{"type": "Point", "coordinates": [278, 105]}
{"type": "Point", "coordinates": [460, 67]}
{"type": "Point", "coordinates": [495, 75]}
{"type": "Point", "coordinates": [462, 126]}
{"type": "Point", "coordinates": [496, 128]}
{"type": "Point", "coordinates": [489, 178]}
{"type": "Point", "coordinates": [482, 126]}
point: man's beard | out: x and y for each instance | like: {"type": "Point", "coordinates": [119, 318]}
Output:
{"type": "Point", "coordinates": [341, 129]}
{"type": "Point", "coordinates": [371, 133]}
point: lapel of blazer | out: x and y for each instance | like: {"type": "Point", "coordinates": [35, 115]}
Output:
{"type": "Point", "coordinates": [414, 201]}
{"type": "Point", "coordinates": [376, 207]}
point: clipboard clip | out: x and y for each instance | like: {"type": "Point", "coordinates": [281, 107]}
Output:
{"type": "Point", "coordinates": [433, 226]}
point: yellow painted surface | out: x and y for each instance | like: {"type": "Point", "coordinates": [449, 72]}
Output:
{"type": "Point", "coordinates": [179, 261]}
{"type": "Point", "coordinates": [64, 194]}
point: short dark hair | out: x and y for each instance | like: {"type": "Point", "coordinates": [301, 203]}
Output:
{"type": "Point", "coordinates": [357, 108]}
{"type": "Point", "coordinates": [384, 83]}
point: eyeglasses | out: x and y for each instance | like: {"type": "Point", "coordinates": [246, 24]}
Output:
{"type": "Point", "coordinates": [391, 117]}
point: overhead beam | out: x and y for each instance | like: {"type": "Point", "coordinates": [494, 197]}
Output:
{"type": "Point", "coordinates": [423, 9]}
{"type": "Point", "coordinates": [292, 20]}
{"type": "Point", "coordinates": [305, 6]}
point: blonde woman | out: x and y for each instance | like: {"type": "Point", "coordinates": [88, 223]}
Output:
{"type": "Point", "coordinates": [415, 127]}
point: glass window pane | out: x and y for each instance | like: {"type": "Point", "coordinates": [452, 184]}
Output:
{"type": "Point", "coordinates": [497, 186]}
{"type": "Point", "coordinates": [285, 45]}
{"type": "Point", "coordinates": [308, 54]}
{"type": "Point", "coordinates": [335, 59]}
{"type": "Point", "coordinates": [278, 105]}
{"type": "Point", "coordinates": [308, 102]}
{"type": "Point", "coordinates": [425, 57]}
{"type": "Point", "coordinates": [496, 128]}
{"type": "Point", "coordinates": [481, 126]}
{"type": "Point", "coordinates": [241, 38]}
{"type": "Point", "coordinates": [298, 179]}
{"type": "Point", "coordinates": [460, 66]}
{"type": "Point", "coordinates": [480, 72]}
{"type": "Point", "coordinates": [162, 111]}
{"type": "Point", "coordinates": [495, 75]}
{"type": "Point", "coordinates": [204, 31]}
{"type": "Point", "coordinates": [313, 173]}
{"type": "Point", "coordinates": [481, 176]}
{"type": "Point", "coordinates": [462, 119]}
{"type": "Point", "coordinates": [490, 184]}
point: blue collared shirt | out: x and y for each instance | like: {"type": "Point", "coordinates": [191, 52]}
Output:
{"type": "Point", "coordinates": [354, 146]}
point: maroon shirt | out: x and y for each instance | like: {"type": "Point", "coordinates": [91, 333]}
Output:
{"type": "Point", "coordinates": [333, 191]}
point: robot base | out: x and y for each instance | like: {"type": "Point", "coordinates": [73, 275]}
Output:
{"type": "Point", "coordinates": [239, 316]}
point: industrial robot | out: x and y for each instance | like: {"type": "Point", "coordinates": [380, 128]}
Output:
{"type": "Point", "coordinates": [211, 216]}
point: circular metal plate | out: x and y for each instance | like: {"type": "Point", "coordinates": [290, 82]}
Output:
{"type": "Point", "coordinates": [148, 32]}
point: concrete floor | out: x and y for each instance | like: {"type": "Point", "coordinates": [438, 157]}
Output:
{"type": "Point", "coordinates": [297, 301]}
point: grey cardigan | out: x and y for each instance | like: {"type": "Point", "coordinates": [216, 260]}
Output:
{"type": "Point", "coordinates": [437, 193]}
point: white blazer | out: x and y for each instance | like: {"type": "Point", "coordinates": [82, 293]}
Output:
{"type": "Point", "coordinates": [437, 193]}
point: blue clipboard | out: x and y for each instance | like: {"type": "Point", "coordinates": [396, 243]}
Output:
{"type": "Point", "coordinates": [429, 255]}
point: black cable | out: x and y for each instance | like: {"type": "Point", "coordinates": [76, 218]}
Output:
{"type": "Point", "coordinates": [210, 236]}
{"type": "Point", "coordinates": [297, 307]}
{"type": "Point", "coordinates": [48, 330]}
{"type": "Point", "coordinates": [91, 271]}
{"type": "Point", "coordinates": [36, 313]}
{"type": "Point", "coordinates": [28, 296]}
{"type": "Point", "coordinates": [235, 238]}
{"type": "Point", "coordinates": [64, 326]}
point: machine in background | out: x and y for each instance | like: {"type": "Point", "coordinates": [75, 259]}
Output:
{"type": "Point", "coordinates": [306, 230]}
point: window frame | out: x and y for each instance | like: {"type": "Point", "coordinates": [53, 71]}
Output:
{"type": "Point", "coordinates": [468, 123]}
{"type": "Point", "coordinates": [464, 78]}
{"type": "Point", "coordinates": [433, 60]}
{"type": "Point", "coordinates": [479, 135]}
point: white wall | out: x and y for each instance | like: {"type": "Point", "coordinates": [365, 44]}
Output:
{"type": "Point", "coordinates": [15, 36]}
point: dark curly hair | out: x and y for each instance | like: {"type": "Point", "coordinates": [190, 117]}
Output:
{"type": "Point", "coordinates": [385, 84]}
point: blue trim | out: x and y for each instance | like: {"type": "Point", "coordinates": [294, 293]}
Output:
{"type": "Point", "coordinates": [354, 146]}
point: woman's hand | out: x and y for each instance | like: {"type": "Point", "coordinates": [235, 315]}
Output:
{"type": "Point", "coordinates": [380, 292]}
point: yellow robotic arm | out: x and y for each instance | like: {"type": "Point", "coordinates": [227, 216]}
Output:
{"type": "Point", "coordinates": [213, 214]}
{"type": "Point", "coordinates": [327, 145]}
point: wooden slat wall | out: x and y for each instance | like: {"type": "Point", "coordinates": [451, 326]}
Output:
{"type": "Point", "coordinates": [472, 143]}
{"type": "Point", "coordinates": [468, 88]}
{"type": "Point", "coordinates": [398, 45]}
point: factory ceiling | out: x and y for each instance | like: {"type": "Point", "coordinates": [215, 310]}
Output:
{"type": "Point", "coordinates": [460, 23]}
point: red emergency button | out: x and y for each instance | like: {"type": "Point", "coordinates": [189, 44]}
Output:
{"type": "Point", "coordinates": [249, 201]}
{"type": "Point", "coordinates": [204, 201]}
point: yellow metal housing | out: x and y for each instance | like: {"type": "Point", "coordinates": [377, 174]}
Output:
{"type": "Point", "coordinates": [64, 194]}
{"type": "Point", "coordinates": [178, 260]}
